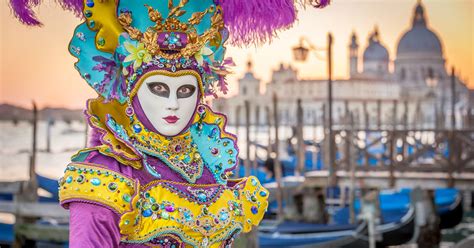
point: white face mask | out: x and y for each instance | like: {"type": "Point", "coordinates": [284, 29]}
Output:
{"type": "Point", "coordinates": [169, 102]}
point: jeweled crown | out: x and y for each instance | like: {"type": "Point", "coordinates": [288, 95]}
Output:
{"type": "Point", "coordinates": [171, 38]}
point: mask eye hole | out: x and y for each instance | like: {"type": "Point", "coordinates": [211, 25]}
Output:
{"type": "Point", "coordinates": [159, 89]}
{"type": "Point", "coordinates": [185, 91]}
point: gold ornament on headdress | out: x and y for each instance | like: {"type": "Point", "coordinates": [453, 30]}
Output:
{"type": "Point", "coordinates": [195, 42]}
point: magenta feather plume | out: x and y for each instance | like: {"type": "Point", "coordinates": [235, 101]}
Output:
{"type": "Point", "coordinates": [255, 22]}
{"type": "Point", "coordinates": [322, 3]}
{"type": "Point", "coordinates": [23, 9]}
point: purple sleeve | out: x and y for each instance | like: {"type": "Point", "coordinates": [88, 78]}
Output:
{"type": "Point", "coordinates": [92, 226]}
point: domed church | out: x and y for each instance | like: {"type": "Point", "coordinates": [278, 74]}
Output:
{"type": "Point", "coordinates": [416, 93]}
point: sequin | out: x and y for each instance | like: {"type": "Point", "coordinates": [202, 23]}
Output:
{"type": "Point", "coordinates": [69, 179]}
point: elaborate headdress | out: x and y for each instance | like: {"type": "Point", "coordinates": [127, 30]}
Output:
{"type": "Point", "coordinates": [171, 34]}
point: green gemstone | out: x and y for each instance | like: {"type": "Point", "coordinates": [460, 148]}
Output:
{"type": "Point", "coordinates": [126, 197]}
{"type": "Point", "coordinates": [80, 179]}
{"type": "Point", "coordinates": [88, 13]}
{"type": "Point", "coordinates": [253, 198]}
{"type": "Point", "coordinates": [101, 41]}
{"type": "Point", "coordinates": [165, 215]}
{"type": "Point", "coordinates": [155, 207]}
{"type": "Point", "coordinates": [112, 186]}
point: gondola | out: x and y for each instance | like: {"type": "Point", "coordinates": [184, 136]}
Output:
{"type": "Point", "coordinates": [295, 234]}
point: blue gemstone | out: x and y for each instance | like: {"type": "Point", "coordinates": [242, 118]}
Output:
{"type": "Point", "coordinates": [173, 40]}
{"type": "Point", "coordinates": [187, 216]}
{"type": "Point", "coordinates": [90, 3]}
{"type": "Point", "coordinates": [263, 193]}
{"type": "Point", "coordinates": [224, 216]}
{"type": "Point", "coordinates": [95, 181]}
{"type": "Point", "coordinates": [254, 210]}
{"type": "Point", "coordinates": [147, 213]}
{"type": "Point", "coordinates": [202, 197]}
{"type": "Point", "coordinates": [69, 179]}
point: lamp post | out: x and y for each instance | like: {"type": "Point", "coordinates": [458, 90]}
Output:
{"type": "Point", "coordinates": [300, 53]}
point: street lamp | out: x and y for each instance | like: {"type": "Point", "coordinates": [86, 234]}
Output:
{"type": "Point", "coordinates": [300, 53]}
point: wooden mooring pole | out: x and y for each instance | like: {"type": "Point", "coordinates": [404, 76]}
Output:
{"type": "Point", "coordinates": [278, 172]}
{"type": "Point", "coordinates": [237, 133]}
{"type": "Point", "coordinates": [452, 134]}
{"type": "Point", "coordinates": [300, 141]}
{"type": "Point", "coordinates": [331, 146]}
{"type": "Point", "coordinates": [29, 189]}
{"type": "Point", "coordinates": [255, 138]}
{"type": "Point", "coordinates": [269, 124]}
{"type": "Point", "coordinates": [352, 167]}
{"type": "Point", "coordinates": [247, 137]}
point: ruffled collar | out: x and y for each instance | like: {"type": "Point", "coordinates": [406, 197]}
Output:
{"type": "Point", "coordinates": [204, 144]}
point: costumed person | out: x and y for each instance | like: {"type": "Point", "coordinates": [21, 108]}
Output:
{"type": "Point", "coordinates": [156, 172]}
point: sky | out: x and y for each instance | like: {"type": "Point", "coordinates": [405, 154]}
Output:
{"type": "Point", "coordinates": [35, 64]}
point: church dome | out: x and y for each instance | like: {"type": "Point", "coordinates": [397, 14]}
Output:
{"type": "Point", "coordinates": [375, 51]}
{"type": "Point", "coordinates": [419, 39]}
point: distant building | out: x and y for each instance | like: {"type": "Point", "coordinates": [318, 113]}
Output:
{"type": "Point", "coordinates": [418, 89]}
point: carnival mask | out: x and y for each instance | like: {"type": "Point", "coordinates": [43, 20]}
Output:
{"type": "Point", "coordinates": [169, 102]}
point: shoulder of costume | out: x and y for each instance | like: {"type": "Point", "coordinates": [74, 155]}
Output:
{"type": "Point", "coordinates": [97, 184]}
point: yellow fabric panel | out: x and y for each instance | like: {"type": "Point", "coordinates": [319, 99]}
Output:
{"type": "Point", "coordinates": [94, 183]}
{"type": "Point", "coordinates": [103, 19]}
{"type": "Point", "coordinates": [197, 224]}
{"type": "Point", "coordinates": [161, 208]}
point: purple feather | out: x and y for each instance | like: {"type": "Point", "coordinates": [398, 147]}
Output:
{"type": "Point", "coordinates": [23, 9]}
{"type": "Point", "coordinates": [113, 78]}
{"type": "Point", "coordinates": [255, 22]}
{"type": "Point", "coordinates": [321, 3]}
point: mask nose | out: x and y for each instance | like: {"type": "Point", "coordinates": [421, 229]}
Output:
{"type": "Point", "coordinates": [172, 103]}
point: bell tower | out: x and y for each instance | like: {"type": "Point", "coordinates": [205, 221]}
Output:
{"type": "Point", "coordinates": [353, 56]}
